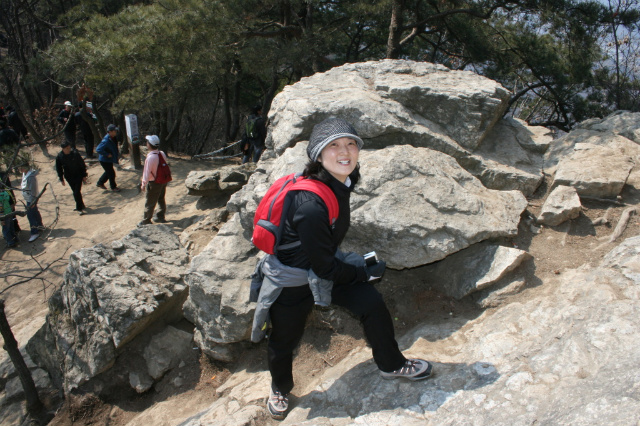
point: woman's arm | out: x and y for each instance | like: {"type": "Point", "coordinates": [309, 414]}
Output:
{"type": "Point", "coordinates": [311, 222]}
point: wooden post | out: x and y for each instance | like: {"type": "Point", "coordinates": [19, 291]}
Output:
{"type": "Point", "coordinates": [135, 156]}
{"type": "Point", "coordinates": [34, 405]}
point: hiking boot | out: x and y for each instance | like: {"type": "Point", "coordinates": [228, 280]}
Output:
{"type": "Point", "coordinates": [278, 404]}
{"type": "Point", "coordinates": [145, 222]}
{"type": "Point", "coordinates": [33, 237]}
{"type": "Point", "coordinates": [159, 219]}
{"type": "Point", "coordinates": [413, 369]}
{"type": "Point", "coordinates": [101, 186]}
{"type": "Point", "coordinates": [116, 189]}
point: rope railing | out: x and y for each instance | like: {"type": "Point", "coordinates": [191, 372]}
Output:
{"type": "Point", "coordinates": [212, 155]}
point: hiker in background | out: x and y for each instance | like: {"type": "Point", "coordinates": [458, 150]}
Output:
{"type": "Point", "coordinates": [30, 194]}
{"type": "Point", "coordinates": [68, 121]}
{"type": "Point", "coordinates": [71, 167]}
{"type": "Point", "coordinates": [7, 202]}
{"type": "Point", "coordinates": [8, 137]}
{"type": "Point", "coordinates": [308, 248]}
{"type": "Point", "coordinates": [85, 129]}
{"type": "Point", "coordinates": [108, 156]}
{"type": "Point", "coordinates": [16, 124]}
{"type": "Point", "coordinates": [255, 133]}
{"type": "Point", "coordinates": [153, 184]}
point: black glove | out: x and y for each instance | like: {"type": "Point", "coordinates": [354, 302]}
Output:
{"type": "Point", "coordinates": [375, 271]}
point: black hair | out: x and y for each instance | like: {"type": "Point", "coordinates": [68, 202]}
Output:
{"type": "Point", "coordinates": [65, 144]}
{"type": "Point", "coordinates": [256, 109]}
{"type": "Point", "coordinates": [315, 170]}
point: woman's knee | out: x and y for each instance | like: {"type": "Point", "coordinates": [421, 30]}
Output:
{"type": "Point", "coordinates": [362, 299]}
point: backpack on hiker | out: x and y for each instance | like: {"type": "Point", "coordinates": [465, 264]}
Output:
{"type": "Point", "coordinates": [267, 229]}
{"type": "Point", "coordinates": [163, 173]}
{"type": "Point", "coordinates": [251, 127]}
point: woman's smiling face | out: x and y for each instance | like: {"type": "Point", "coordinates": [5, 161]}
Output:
{"type": "Point", "coordinates": [340, 158]}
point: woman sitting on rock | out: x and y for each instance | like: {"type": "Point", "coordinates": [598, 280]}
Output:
{"type": "Point", "coordinates": [333, 150]}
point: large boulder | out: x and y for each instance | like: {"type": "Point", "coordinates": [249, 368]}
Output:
{"type": "Point", "coordinates": [394, 102]}
{"type": "Point", "coordinates": [110, 295]}
{"type": "Point", "coordinates": [598, 170]}
{"type": "Point", "coordinates": [598, 157]}
{"type": "Point", "coordinates": [219, 280]}
{"type": "Point", "coordinates": [415, 206]}
{"type": "Point", "coordinates": [510, 156]}
{"type": "Point", "coordinates": [473, 269]}
{"type": "Point", "coordinates": [226, 180]}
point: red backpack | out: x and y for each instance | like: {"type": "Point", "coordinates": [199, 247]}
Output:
{"type": "Point", "coordinates": [163, 172]}
{"type": "Point", "coordinates": [266, 223]}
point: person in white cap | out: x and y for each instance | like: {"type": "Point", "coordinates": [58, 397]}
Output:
{"type": "Point", "coordinates": [68, 121]}
{"type": "Point", "coordinates": [155, 192]}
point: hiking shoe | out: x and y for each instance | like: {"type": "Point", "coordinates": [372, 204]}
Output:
{"type": "Point", "coordinates": [278, 404]}
{"type": "Point", "coordinates": [101, 186]}
{"type": "Point", "coordinates": [116, 189]}
{"type": "Point", "coordinates": [81, 212]}
{"type": "Point", "coordinates": [413, 369]}
{"type": "Point", "coordinates": [144, 222]}
{"type": "Point", "coordinates": [33, 237]}
{"type": "Point", "coordinates": [159, 220]}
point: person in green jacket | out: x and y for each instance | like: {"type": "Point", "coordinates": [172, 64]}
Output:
{"type": "Point", "coordinates": [7, 201]}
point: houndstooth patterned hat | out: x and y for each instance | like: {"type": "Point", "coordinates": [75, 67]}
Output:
{"type": "Point", "coordinates": [327, 131]}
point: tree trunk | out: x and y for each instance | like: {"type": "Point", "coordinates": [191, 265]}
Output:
{"type": "Point", "coordinates": [235, 114]}
{"type": "Point", "coordinates": [34, 405]}
{"type": "Point", "coordinates": [395, 29]}
{"type": "Point", "coordinates": [175, 127]}
{"type": "Point", "coordinates": [122, 125]}
{"type": "Point", "coordinates": [227, 111]}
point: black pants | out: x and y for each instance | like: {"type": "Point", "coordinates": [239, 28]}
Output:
{"type": "Point", "coordinates": [289, 314]}
{"type": "Point", "coordinates": [76, 187]}
{"type": "Point", "coordinates": [71, 138]}
{"type": "Point", "coordinates": [88, 145]}
{"type": "Point", "coordinates": [109, 174]}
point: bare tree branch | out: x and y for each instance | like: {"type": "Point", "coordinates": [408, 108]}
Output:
{"type": "Point", "coordinates": [36, 275]}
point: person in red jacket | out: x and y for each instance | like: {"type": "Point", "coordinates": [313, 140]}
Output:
{"type": "Point", "coordinates": [309, 242]}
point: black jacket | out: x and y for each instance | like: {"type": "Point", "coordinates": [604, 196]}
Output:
{"type": "Point", "coordinates": [8, 137]}
{"type": "Point", "coordinates": [307, 221]}
{"type": "Point", "coordinates": [261, 128]}
{"type": "Point", "coordinates": [85, 128]}
{"type": "Point", "coordinates": [15, 122]}
{"type": "Point", "coordinates": [71, 166]}
{"type": "Point", "coordinates": [71, 118]}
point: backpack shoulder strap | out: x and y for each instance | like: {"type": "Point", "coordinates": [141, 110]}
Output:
{"type": "Point", "coordinates": [155, 175]}
{"type": "Point", "coordinates": [323, 191]}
